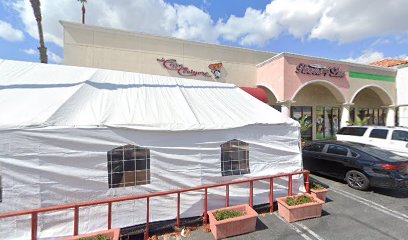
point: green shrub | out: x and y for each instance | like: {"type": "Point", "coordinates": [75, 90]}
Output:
{"type": "Point", "coordinates": [225, 214]}
{"type": "Point", "coordinates": [316, 186]}
{"type": "Point", "coordinates": [297, 200]}
{"type": "Point", "coordinates": [98, 237]}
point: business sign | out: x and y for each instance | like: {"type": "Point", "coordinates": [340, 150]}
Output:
{"type": "Point", "coordinates": [317, 69]}
{"type": "Point", "coordinates": [216, 69]}
{"type": "Point", "coordinates": [171, 64]}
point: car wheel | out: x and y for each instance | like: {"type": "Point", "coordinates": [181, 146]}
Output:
{"type": "Point", "coordinates": [357, 180]}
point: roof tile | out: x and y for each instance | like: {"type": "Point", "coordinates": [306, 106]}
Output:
{"type": "Point", "coordinates": [389, 62]}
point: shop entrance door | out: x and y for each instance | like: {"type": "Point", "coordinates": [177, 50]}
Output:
{"type": "Point", "coordinates": [327, 122]}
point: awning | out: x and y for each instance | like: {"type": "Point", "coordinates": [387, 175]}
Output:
{"type": "Point", "coordinates": [258, 93]}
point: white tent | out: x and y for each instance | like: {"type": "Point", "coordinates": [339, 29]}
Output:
{"type": "Point", "coordinates": [73, 134]}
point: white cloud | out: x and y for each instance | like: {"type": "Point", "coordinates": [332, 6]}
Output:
{"type": "Point", "coordinates": [30, 51]}
{"type": "Point", "coordinates": [9, 33]}
{"type": "Point", "coordinates": [367, 57]}
{"type": "Point", "coordinates": [370, 56]}
{"type": "Point", "coordinates": [150, 16]}
{"type": "Point", "coordinates": [349, 20]}
{"type": "Point", "coordinates": [53, 57]}
{"type": "Point", "coordinates": [339, 21]}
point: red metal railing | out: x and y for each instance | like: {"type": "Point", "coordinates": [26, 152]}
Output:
{"type": "Point", "coordinates": [34, 213]}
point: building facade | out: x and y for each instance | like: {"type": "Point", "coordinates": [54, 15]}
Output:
{"type": "Point", "coordinates": [329, 93]}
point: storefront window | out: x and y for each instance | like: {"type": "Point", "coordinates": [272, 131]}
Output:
{"type": "Point", "coordinates": [376, 116]}
{"type": "Point", "coordinates": [397, 115]}
{"type": "Point", "coordinates": [297, 113]}
{"type": "Point", "coordinates": [327, 122]}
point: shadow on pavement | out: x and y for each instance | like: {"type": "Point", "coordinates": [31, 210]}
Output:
{"type": "Point", "coordinates": [397, 193]}
{"type": "Point", "coordinates": [260, 225]}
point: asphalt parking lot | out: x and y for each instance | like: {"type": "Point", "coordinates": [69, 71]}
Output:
{"type": "Point", "coordinates": [347, 214]}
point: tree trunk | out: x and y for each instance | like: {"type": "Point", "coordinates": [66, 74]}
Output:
{"type": "Point", "coordinates": [35, 4]}
{"type": "Point", "coordinates": [83, 13]}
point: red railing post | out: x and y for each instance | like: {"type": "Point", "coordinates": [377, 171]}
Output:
{"type": "Point", "coordinates": [146, 235]}
{"type": "Point", "coordinates": [251, 193]}
{"type": "Point", "coordinates": [109, 215]}
{"type": "Point", "coordinates": [307, 186]}
{"type": "Point", "coordinates": [178, 209]}
{"type": "Point", "coordinates": [227, 195]}
{"type": "Point", "coordinates": [290, 186]}
{"type": "Point", "coordinates": [34, 213]}
{"type": "Point", "coordinates": [205, 205]}
{"type": "Point", "coordinates": [34, 224]}
{"type": "Point", "coordinates": [271, 195]}
{"type": "Point", "coordinates": [76, 220]}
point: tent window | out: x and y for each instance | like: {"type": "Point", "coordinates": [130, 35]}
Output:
{"type": "Point", "coordinates": [234, 158]}
{"type": "Point", "coordinates": [128, 166]}
{"type": "Point", "coordinates": [1, 191]}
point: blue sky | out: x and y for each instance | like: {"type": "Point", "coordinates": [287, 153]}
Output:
{"type": "Point", "coordinates": [359, 31]}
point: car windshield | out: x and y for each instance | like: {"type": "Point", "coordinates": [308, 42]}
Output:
{"type": "Point", "coordinates": [383, 154]}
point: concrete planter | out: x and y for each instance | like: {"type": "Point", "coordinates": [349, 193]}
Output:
{"type": "Point", "coordinates": [233, 226]}
{"type": "Point", "coordinates": [299, 212]}
{"type": "Point", "coordinates": [320, 194]}
{"type": "Point", "coordinates": [114, 234]}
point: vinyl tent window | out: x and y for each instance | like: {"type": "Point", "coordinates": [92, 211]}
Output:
{"type": "Point", "coordinates": [234, 158]}
{"type": "Point", "coordinates": [1, 191]}
{"type": "Point", "coordinates": [128, 166]}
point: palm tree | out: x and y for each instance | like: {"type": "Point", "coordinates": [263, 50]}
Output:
{"type": "Point", "coordinates": [35, 4]}
{"type": "Point", "coordinates": [83, 10]}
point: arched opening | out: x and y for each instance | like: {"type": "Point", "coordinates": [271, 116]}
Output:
{"type": "Point", "coordinates": [317, 106]}
{"type": "Point", "coordinates": [371, 103]}
{"type": "Point", "coordinates": [272, 99]}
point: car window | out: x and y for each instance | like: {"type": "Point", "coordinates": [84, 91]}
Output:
{"type": "Point", "coordinates": [354, 154]}
{"type": "Point", "coordinates": [338, 150]}
{"type": "Point", "coordinates": [375, 151]}
{"type": "Point", "coordinates": [379, 133]}
{"type": "Point", "coordinates": [314, 148]}
{"type": "Point", "coordinates": [353, 131]}
{"type": "Point", "coordinates": [400, 135]}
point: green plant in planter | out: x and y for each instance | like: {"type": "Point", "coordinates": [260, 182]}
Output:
{"type": "Point", "coordinates": [98, 237]}
{"type": "Point", "coordinates": [298, 200]}
{"type": "Point", "coordinates": [304, 125]}
{"type": "Point", "coordinates": [225, 214]}
{"type": "Point", "coordinates": [316, 186]}
{"type": "Point", "coordinates": [358, 121]}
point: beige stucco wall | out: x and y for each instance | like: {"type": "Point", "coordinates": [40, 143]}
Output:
{"type": "Point", "coordinates": [119, 50]}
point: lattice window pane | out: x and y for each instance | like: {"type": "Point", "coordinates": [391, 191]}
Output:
{"type": "Point", "coordinates": [128, 166]}
{"type": "Point", "coordinates": [234, 158]}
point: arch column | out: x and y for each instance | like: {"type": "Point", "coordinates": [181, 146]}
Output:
{"type": "Point", "coordinates": [345, 114]}
{"type": "Point", "coordinates": [390, 120]}
{"type": "Point", "coordinates": [285, 106]}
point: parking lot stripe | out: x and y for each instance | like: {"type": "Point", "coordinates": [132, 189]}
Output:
{"type": "Point", "coordinates": [310, 231]}
{"type": "Point", "coordinates": [299, 231]}
{"type": "Point", "coordinates": [372, 204]}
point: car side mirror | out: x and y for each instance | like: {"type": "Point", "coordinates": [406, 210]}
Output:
{"type": "Point", "coordinates": [406, 145]}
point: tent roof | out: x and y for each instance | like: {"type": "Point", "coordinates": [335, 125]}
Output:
{"type": "Point", "coordinates": [41, 95]}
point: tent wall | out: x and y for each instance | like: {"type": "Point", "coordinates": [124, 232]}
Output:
{"type": "Point", "coordinates": [52, 166]}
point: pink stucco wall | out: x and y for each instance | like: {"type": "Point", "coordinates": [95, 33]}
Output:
{"type": "Point", "coordinates": [294, 81]}
{"type": "Point", "coordinates": [281, 78]}
{"type": "Point", "coordinates": [271, 75]}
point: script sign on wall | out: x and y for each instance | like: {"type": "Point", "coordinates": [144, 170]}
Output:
{"type": "Point", "coordinates": [171, 64]}
{"type": "Point", "coordinates": [317, 69]}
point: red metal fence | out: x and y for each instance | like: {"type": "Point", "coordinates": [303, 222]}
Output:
{"type": "Point", "coordinates": [34, 213]}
